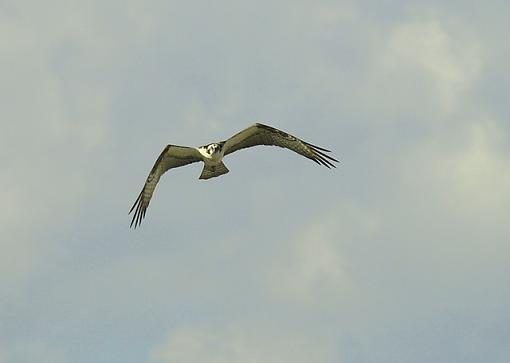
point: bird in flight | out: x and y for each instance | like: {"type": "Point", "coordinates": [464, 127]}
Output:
{"type": "Point", "coordinates": [212, 155]}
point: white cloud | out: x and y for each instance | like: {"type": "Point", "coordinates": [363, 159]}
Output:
{"type": "Point", "coordinates": [481, 172]}
{"type": "Point", "coordinates": [423, 67]}
{"type": "Point", "coordinates": [55, 119]}
{"type": "Point", "coordinates": [310, 268]}
{"type": "Point", "coordinates": [427, 46]}
{"type": "Point", "coordinates": [242, 343]}
{"type": "Point", "coordinates": [469, 172]}
{"type": "Point", "coordinates": [310, 263]}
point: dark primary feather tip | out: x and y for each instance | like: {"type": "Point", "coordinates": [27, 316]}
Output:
{"type": "Point", "coordinates": [325, 156]}
{"type": "Point", "coordinates": [131, 224]}
{"type": "Point", "coordinates": [326, 163]}
{"type": "Point", "coordinates": [320, 156]}
{"type": "Point", "coordinates": [139, 213]}
{"type": "Point", "coordinates": [136, 202]}
{"type": "Point", "coordinates": [317, 147]}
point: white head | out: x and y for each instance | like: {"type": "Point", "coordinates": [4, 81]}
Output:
{"type": "Point", "coordinates": [213, 148]}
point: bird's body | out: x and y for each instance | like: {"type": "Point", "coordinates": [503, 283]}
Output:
{"type": "Point", "coordinates": [211, 155]}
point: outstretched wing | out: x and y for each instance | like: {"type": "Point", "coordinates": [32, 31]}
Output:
{"type": "Point", "coordinates": [172, 156]}
{"type": "Point", "coordinates": [259, 134]}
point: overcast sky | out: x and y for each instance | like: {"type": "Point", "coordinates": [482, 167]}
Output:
{"type": "Point", "coordinates": [401, 254]}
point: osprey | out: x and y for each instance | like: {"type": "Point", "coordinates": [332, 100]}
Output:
{"type": "Point", "coordinates": [212, 155]}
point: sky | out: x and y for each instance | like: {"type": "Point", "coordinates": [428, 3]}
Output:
{"type": "Point", "coordinates": [400, 254]}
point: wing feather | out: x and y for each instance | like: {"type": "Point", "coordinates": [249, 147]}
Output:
{"type": "Point", "coordinates": [259, 134]}
{"type": "Point", "coordinates": [172, 156]}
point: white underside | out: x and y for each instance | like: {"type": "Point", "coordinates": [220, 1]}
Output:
{"type": "Point", "coordinates": [208, 159]}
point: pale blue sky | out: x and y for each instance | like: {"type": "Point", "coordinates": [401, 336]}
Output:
{"type": "Point", "coordinates": [400, 254]}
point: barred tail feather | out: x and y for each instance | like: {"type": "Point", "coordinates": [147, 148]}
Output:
{"type": "Point", "coordinates": [211, 171]}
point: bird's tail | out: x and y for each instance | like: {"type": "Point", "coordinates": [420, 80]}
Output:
{"type": "Point", "coordinates": [211, 171]}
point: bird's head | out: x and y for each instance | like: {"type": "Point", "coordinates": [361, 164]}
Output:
{"type": "Point", "coordinates": [213, 148]}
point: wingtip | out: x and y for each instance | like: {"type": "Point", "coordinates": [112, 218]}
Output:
{"type": "Point", "coordinates": [139, 213]}
{"type": "Point", "coordinates": [133, 221]}
{"type": "Point", "coordinates": [135, 203]}
{"type": "Point", "coordinates": [318, 147]}
{"type": "Point", "coordinates": [319, 155]}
